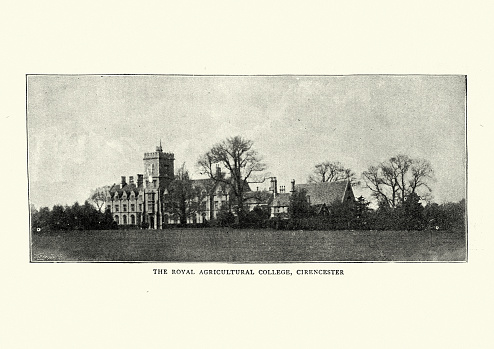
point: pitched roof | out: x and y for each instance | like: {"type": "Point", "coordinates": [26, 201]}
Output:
{"type": "Point", "coordinates": [282, 199]}
{"type": "Point", "coordinates": [259, 197]}
{"type": "Point", "coordinates": [209, 184]}
{"type": "Point", "coordinates": [324, 193]}
{"type": "Point", "coordinates": [128, 188]}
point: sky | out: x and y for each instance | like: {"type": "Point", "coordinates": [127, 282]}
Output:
{"type": "Point", "coordinates": [86, 131]}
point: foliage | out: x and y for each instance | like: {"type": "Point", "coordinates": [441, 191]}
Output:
{"type": "Point", "coordinates": [299, 206]}
{"type": "Point", "coordinates": [448, 216]}
{"type": "Point", "coordinates": [225, 218]}
{"type": "Point", "coordinates": [75, 217]}
{"type": "Point", "coordinates": [257, 218]}
{"type": "Point", "coordinates": [410, 213]}
{"type": "Point", "coordinates": [393, 180]}
{"type": "Point", "coordinates": [242, 162]}
{"type": "Point", "coordinates": [363, 214]}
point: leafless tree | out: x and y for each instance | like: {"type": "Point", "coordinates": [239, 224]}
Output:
{"type": "Point", "coordinates": [241, 161]}
{"type": "Point", "coordinates": [98, 197]}
{"type": "Point", "coordinates": [332, 171]}
{"type": "Point", "coordinates": [183, 199]}
{"type": "Point", "coordinates": [392, 181]}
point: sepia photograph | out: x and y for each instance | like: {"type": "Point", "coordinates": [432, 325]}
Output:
{"type": "Point", "coordinates": [247, 168]}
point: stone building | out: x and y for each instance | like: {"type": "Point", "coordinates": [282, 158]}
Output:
{"type": "Point", "coordinates": [145, 200]}
{"type": "Point", "coordinates": [134, 203]}
{"type": "Point", "coordinates": [319, 195]}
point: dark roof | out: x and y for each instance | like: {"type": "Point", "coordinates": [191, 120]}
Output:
{"type": "Point", "coordinates": [324, 193]}
{"type": "Point", "coordinates": [259, 197]}
{"type": "Point", "coordinates": [282, 199]}
{"type": "Point", "coordinates": [209, 184]}
{"type": "Point", "coordinates": [128, 188]}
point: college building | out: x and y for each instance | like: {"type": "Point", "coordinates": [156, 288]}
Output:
{"type": "Point", "coordinates": [144, 200]}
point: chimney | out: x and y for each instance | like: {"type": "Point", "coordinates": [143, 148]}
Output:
{"type": "Point", "coordinates": [274, 186]}
{"type": "Point", "coordinates": [131, 179]}
{"type": "Point", "coordinates": [293, 185]}
{"type": "Point", "coordinates": [218, 171]}
{"type": "Point", "coordinates": [123, 181]}
{"type": "Point", "coordinates": [140, 179]}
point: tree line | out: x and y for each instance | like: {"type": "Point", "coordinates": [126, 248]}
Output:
{"type": "Point", "coordinates": [75, 217]}
{"type": "Point", "coordinates": [398, 185]}
{"type": "Point", "coordinates": [410, 215]}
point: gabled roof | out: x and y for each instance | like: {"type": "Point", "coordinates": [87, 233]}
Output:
{"type": "Point", "coordinates": [128, 188]}
{"type": "Point", "coordinates": [324, 193]}
{"type": "Point", "coordinates": [282, 199]}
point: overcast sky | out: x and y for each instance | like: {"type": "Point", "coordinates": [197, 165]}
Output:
{"type": "Point", "coordinates": [87, 131]}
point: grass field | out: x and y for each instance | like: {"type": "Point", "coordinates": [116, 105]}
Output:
{"type": "Point", "coordinates": [248, 245]}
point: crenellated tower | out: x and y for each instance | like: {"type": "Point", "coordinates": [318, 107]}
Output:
{"type": "Point", "coordinates": [158, 168]}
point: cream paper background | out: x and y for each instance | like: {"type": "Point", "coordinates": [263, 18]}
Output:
{"type": "Point", "coordinates": [108, 305]}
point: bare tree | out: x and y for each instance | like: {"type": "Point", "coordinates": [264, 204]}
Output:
{"type": "Point", "coordinates": [241, 161]}
{"type": "Point", "coordinates": [183, 198]}
{"type": "Point", "coordinates": [392, 181]}
{"type": "Point", "coordinates": [98, 197]}
{"type": "Point", "coordinates": [332, 171]}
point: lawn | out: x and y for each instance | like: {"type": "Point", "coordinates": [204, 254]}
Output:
{"type": "Point", "coordinates": [248, 245]}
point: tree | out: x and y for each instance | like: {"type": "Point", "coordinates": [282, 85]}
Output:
{"type": "Point", "coordinates": [182, 199]}
{"type": "Point", "coordinates": [98, 197]}
{"type": "Point", "coordinates": [330, 171]}
{"type": "Point", "coordinates": [299, 206]}
{"type": "Point", "coordinates": [411, 213]}
{"type": "Point", "coordinates": [393, 180]}
{"type": "Point", "coordinates": [241, 161]}
{"type": "Point", "coordinates": [362, 213]}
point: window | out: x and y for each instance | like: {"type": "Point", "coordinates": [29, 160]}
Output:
{"type": "Point", "coordinates": [116, 208]}
{"type": "Point", "coordinates": [132, 220]}
{"type": "Point", "coordinates": [124, 207]}
{"type": "Point", "coordinates": [132, 207]}
{"type": "Point", "coordinates": [116, 218]}
{"type": "Point", "coordinates": [108, 207]}
{"type": "Point", "coordinates": [150, 207]}
{"type": "Point", "coordinates": [124, 219]}
{"type": "Point", "coordinates": [216, 205]}
{"type": "Point", "coordinates": [140, 207]}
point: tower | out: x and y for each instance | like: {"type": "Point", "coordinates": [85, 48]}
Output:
{"type": "Point", "coordinates": [158, 168]}
{"type": "Point", "coordinates": [158, 173]}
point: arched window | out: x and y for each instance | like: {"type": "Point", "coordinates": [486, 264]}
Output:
{"type": "Point", "coordinates": [116, 218]}
{"type": "Point", "coordinates": [132, 220]}
{"type": "Point", "coordinates": [124, 219]}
